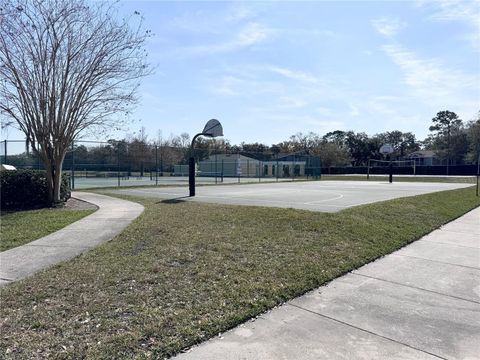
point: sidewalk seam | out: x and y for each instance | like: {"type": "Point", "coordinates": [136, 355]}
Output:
{"type": "Point", "coordinates": [365, 330]}
{"type": "Point", "coordinates": [416, 288]}
{"type": "Point", "coordinates": [437, 261]}
{"type": "Point", "coordinates": [444, 243]}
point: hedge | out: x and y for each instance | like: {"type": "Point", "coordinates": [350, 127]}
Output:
{"type": "Point", "coordinates": [27, 189]}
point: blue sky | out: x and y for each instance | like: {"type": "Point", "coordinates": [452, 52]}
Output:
{"type": "Point", "coordinates": [268, 70]}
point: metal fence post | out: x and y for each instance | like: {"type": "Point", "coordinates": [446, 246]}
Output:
{"type": "Point", "coordinates": [293, 168]}
{"type": "Point", "coordinates": [118, 164]}
{"type": "Point", "coordinates": [156, 164]}
{"type": "Point", "coordinates": [276, 169]}
{"type": "Point", "coordinates": [478, 170]}
{"type": "Point", "coordinates": [260, 166]}
{"type": "Point", "coordinates": [72, 170]}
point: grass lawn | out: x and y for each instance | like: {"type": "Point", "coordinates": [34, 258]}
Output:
{"type": "Point", "coordinates": [21, 227]}
{"type": "Point", "coordinates": [183, 272]}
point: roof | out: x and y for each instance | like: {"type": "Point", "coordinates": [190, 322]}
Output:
{"type": "Point", "coordinates": [422, 154]}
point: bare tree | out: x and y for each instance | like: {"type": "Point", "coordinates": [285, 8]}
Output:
{"type": "Point", "coordinates": [65, 66]}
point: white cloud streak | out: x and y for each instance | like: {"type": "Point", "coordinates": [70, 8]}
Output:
{"type": "Point", "coordinates": [294, 74]}
{"type": "Point", "coordinates": [465, 12]}
{"type": "Point", "coordinates": [388, 27]}
{"type": "Point", "coordinates": [249, 35]}
{"type": "Point", "coordinates": [429, 77]}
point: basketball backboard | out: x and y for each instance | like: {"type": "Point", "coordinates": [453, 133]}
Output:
{"type": "Point", "coordinates": [213, 128]}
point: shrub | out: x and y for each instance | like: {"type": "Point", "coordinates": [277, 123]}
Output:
{"type": "Point", "coordinates": [27, 189]}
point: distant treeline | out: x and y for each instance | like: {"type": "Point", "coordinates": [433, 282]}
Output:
{"type": "Point", "coordinates": [451, 140]}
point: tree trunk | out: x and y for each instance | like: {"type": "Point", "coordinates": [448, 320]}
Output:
{"type": "Point", "coordinates": [50, 181]}
{"type": "Point", "coordinates": [57, 179]}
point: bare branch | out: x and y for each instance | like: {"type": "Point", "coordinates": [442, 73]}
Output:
{"type": "Point", "coordinates": [66, 66]}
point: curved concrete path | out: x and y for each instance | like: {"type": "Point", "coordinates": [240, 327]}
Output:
{"type": "Point", "coordinates": [421, 302]}
{"type": "Point", "coordinates": [113, 215]}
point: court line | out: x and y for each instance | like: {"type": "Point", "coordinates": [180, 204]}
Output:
{"type": "Point", "coordinates": [339, 196]}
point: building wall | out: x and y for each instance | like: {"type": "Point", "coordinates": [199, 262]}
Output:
{"type": "Point", "coordinates": [248, 167]}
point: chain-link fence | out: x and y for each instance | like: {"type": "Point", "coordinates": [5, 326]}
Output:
{"type": "Point", "coordinates": [120, 163]}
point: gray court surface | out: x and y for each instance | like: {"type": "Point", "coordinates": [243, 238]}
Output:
{"type": "Point", "coordinates": [96, 182]}
{"type": "Point", "coordinates": [324, 196]}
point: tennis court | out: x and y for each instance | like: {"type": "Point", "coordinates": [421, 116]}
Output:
{"type": "Point", "coordinates": [324, 196]}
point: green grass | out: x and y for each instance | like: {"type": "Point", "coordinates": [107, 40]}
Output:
{"type": "Point", "coordinates": [185, 271]}
{"type": "Point", "coordinates": [22, 227]}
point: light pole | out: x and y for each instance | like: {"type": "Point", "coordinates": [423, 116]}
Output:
{"type": "Point", "coordinates": [213, 128]}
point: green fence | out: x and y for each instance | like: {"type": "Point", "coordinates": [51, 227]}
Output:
{"type": "Point", "coordinates": [118, 163]}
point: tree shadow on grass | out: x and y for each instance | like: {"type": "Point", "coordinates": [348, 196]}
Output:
{"type": "Point", "coordinates": [174, 200]}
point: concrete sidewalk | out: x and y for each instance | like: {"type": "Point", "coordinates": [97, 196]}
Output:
{"type": "Point", "coordinates": [109, 220]}
{"type": "Point", "coordinates": [421, 302]}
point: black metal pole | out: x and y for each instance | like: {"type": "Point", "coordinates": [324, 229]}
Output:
{"type": "Point", "coordinates": [191, 175]}
{"type": "Point", "coordinates": [478, 170]}
{"type": "Point", "coordinates": [161, 161]}
{"type": "Point", "coordinates": [73, 167]}
{"type": "Point", "coordinates": [156, 164]}
{"type": "Point", "coordinates": [118, 164]}
{"type": "Point", "coordinates": [191, 166]}
{"type": "Point", "coordinates": [477, 183]}
{"type": "Point", "coordinates": [276, 170]}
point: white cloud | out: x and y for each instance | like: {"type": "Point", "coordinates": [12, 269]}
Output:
{"type": "Point", "coordinates": [239, 84]}
{"type": "Point", "coordinates": [249, 35]}
{"type": "Point", "coordinates": [354, 111]}
{"type": "Point", "coordinates": [292, 102]}
{"type": "Point", "coordinates": [435, 85]}
{"type": "Point", "coordinates": [227, 85]}
{"type": "Point", "coordinates": [212, 21]}
{"type": "Point", "coordinates": [294, 74]}
{"type": "Point", "coordinates": [388, 27]}
{"type": "Point", "coordinates": [240, 13]}
{"type": "Point", "coordinates": [465, 12]}
{"type": "Point", "coordinates": [429, 77]}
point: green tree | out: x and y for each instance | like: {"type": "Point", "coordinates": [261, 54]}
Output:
{"type": "Point", "coordinates": [472, 130]}
{"type": "Point", "coordinates": [445, 124]}
{"type": "Point", "coordinates": [403, 143]}
{"type": "Point", "coordinates": [333, 154]}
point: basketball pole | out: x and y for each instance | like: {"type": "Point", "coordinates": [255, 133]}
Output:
{"type": "Point", "coordinates": [212, 129]}
{"type": "Point", "coordinates": [390, 169]}
{"type": "Point", "coordinates": [191, 166]}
